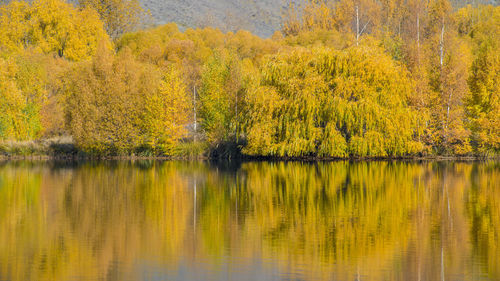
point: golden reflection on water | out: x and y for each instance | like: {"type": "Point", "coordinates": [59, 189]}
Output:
{"type": "Point", "coordinates": [249, 221]}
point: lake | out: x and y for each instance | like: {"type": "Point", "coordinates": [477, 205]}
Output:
{"type": "Point", "coordinates": [148, 220]}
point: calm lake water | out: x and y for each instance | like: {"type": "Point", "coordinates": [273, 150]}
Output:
{"type": "Point", "coordinates": [250, 221]}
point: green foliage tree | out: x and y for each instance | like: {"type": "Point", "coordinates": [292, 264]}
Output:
{"type": "Point", "coordinates": [220, 97]}
{"type": "Point", "coordinates": [19, 119]}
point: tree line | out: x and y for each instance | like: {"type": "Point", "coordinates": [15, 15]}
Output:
{"type": "Point", "coordinates": [341, 79]}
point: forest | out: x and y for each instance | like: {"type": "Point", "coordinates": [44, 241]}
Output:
{"type": "Point", "coordinates": [341, 79]}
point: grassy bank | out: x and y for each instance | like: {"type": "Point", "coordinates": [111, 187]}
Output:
{"type": "Point", "coordinates": [44, 148]}
{"type": "Point", "coordinates": [65, 148]}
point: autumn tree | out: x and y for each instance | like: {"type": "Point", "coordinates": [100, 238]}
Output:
{"type": "Point", "coordinates": [219, 97]}
{"type": "Point", "coordinates": [342, 78]}
{"type": "Point", "coordinates": [447, 77]}
{"type": "Point", "coordinates": [118, 105]}
{"type": "Point", "coordinates": [331, 103]}
{"type": "Point", "coordinates": [19, 119]}
{"type": "Point", "coordinates": [313, 16]}
{"type": "Point", "coordinates": [359, 17]}
{"type": "Point", "coordinates": [483, 103]}
{"type": "Point", "coordinates": [412, 49]}
{"type": "Point", "coordinates": [119, 16]}
{"type": "Point", "coordinates": [39, 39]}
{"type": "Point", "coordinates": [51, 26]}
{"type": "Point", "coordinates": [167, 111]}
{"type": "Point", "coordinates": [103, 103]}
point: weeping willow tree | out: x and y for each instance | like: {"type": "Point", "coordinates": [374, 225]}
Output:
{"type": "Point", "coordinates": [329, 103]}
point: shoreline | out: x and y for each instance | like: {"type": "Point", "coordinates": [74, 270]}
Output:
{"type": "Point", "coordinates": [63, 157]}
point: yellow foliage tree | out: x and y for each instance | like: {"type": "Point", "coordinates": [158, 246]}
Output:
{"type": "Point", "coordinates": [117, 105]}
{"type": "Point", "coordinates": [119, 16]}
{"type": "Point", "coordinates": [53, 27]}
{"type": "Point", "coordinates": [332, 104]}
{"type": "Point", "coordinates": [483, 103]}
{"type": "Point", "coordinates": [14, 27]}
{"type": "Point", "coordinates": [166, 113]}
{"type": "Point", "coordinates": [314, 15]}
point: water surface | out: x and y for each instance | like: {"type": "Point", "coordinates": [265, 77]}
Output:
{"type": "Point", "coordinates": [249, 221]}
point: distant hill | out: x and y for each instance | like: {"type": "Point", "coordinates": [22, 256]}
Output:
{"type": "Point", "coordinates": [262, 17]}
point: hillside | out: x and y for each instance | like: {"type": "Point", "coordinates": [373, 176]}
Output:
{"type": "Point", "coordinates": [262, 17]}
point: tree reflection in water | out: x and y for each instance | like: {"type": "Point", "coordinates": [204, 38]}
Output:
{"type": "Point", "coordinates": [252, 220]}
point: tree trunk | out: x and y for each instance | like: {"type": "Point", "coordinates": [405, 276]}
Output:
{"type": "Point", "coordinates": [418, 38]}
{"type": "Point", "coordinates": [357, 25]}
{"type": "Point", "coordinates": [236, 106]}
{"type": "Point", "coordinates": [195, 125]}
{"type": "Point", "coordinates": [441, 45]}
{"type": "Point", "coordinates": [448, 109]}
